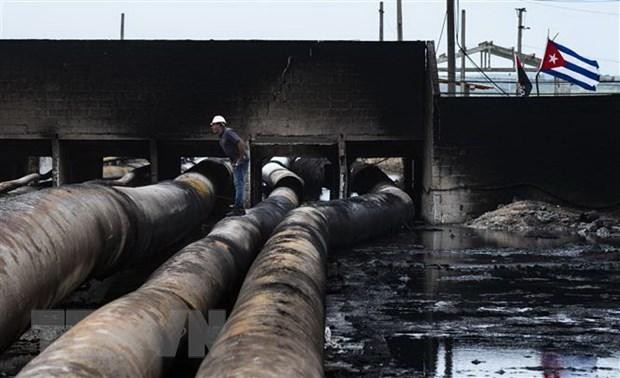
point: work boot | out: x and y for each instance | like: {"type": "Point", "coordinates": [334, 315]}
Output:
{"type": "Point", "coordinates": [235, 212]}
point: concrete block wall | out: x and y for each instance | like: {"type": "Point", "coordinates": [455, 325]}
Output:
{"type": "Point", "coordinates": [154, 99]}
{"type": "Point", "coordinates": [171, 89]}
{"type": "Point", "coordinates": [489, 151]}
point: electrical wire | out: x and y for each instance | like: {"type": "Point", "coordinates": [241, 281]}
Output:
{"type": "Point", "coordinates": [462, 50]}
{"type": "Point", "coordinates": [445, 17]}
{"type": "Point", "coordinates": [541, 3]}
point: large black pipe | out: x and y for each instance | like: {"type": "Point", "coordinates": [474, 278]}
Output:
{"type": "Point", "coordinates": [276, 173]}
{"type": "Point", "coordinates": [139, 326]}
{"type": "Point", "coordinates": [315, 173]}
{"type": "Point", "coordinates": [54, 239]}
{"type": "Point", "coordinates": [277, 326]}
{"type": "Point", "coordinates": [312, 171]}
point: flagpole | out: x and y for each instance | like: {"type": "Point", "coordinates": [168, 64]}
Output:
{"type": "Point", "coordinates": [541, 65]}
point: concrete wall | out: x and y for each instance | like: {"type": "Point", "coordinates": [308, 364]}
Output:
{"type": "Point", "coordinates": [155, 99]}
{"type": "Point", "coordinates": [171, 89]}
{"type": "Point", "coordinates": [486, 151]}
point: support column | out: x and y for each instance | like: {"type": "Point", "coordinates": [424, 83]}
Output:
{"type": "Point", "coordinates": [408, 175]}
{"type": "Point", "coordinates": [418, 178]}
{"type": "Point", "coordinates": [58, 168]}
{"type": "Point", "coordinates": [343, 169]}
{"type": "Point", "coordinates": [333, 172]}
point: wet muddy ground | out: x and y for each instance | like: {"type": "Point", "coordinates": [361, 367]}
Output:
{"type": "Point", "coordinates": [459, 302]}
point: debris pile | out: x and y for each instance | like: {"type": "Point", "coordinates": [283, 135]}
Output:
{"type": "Point", "coordinates": [536, 216]}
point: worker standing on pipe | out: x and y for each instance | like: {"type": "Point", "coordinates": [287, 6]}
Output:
{"type": "Point", "coordinates": [234, 147]}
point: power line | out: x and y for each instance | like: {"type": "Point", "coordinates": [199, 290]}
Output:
{"type": "Point", "coordinates": [580, 1]}
{"type": "Point", "coordinates": [537, 2]}
{"type": "Point", "coordinates": [445, 17]}
{"type": "Point", "coordinates": [458, 7]}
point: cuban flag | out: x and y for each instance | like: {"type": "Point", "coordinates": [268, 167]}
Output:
{"type": "Point", "coordinates": [564, 63]}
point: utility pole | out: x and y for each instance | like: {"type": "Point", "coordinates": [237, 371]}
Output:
{"type": "Point", "coordinates": [520, 29]}
{"type": "Point", "coordinates": [122, 26]}
{"type": "Point", "coordinates": [464, 86]}
{"type": "Point", "coordinates": [399, 19]}
{"type": "Point", "coordinates": [381, 21]}
{"type": "Point", "coordinates": [451, 56]}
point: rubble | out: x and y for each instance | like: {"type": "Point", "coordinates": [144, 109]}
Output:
{"type": "Point", "coordinates": [541, 217]}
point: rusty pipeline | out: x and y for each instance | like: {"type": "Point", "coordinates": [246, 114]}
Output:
{"type": "Point", "coordinates": [135, 177]}
{"type": "Point", "coordinates": [276, 174]}
{"type": "Point", "coordinates": [54, 239]}
{"type": "Point", "coordinates": [314, 172]}
{"type": "Point", "coordinates": [7, 186]}
{"type": "Point", "coordinates": [141, 327]}
{"type": "Point", "coordinates": [277, 326]}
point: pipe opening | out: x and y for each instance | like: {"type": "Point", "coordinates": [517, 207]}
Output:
{"type": "Point", "coordinates": [219, 171]}
{"type": "Point", "coordinates": [365, 173]}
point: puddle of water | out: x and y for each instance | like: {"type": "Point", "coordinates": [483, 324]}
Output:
{"type": "Point", "coordinates": [461, 302]}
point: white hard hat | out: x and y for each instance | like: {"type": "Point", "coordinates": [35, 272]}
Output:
{"type": "Point", "coordinates": [218, 119]}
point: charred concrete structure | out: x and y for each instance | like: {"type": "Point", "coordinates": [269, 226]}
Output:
{"type": "Point", "coordinates": [78, 101]}
{"type": "Point", "coordinates": [487, 151]}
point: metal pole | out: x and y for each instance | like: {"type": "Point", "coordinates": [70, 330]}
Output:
{"type": "Point", "coordinates": [451, 55]}
{"type": "Point", "coordinates": [464, 86]}
{"type": "Point", "coordinates": [399, 19]}
{"type": "Point", "coordinates": [381, 21]}
{"type": "Point", "coordinates": [520, 30]}
{"type": "Point", "coordinates": [122, 26]}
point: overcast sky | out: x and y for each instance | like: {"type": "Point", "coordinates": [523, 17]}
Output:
{"type": "Point", "coordinates": [590, 27]}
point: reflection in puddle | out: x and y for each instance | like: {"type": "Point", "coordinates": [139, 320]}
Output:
{"type": "Point", "coordinates": [459, 302]}
{"type": "Point", "coordinates": [445, 358]}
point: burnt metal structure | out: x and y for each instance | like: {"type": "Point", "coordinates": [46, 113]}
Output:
{"type": "Point", "coordinates": [277, 326]}
{"type": "Point", "coordinates": [141, 326]}
{"type": "Point", "coordinates": [54, 239]}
